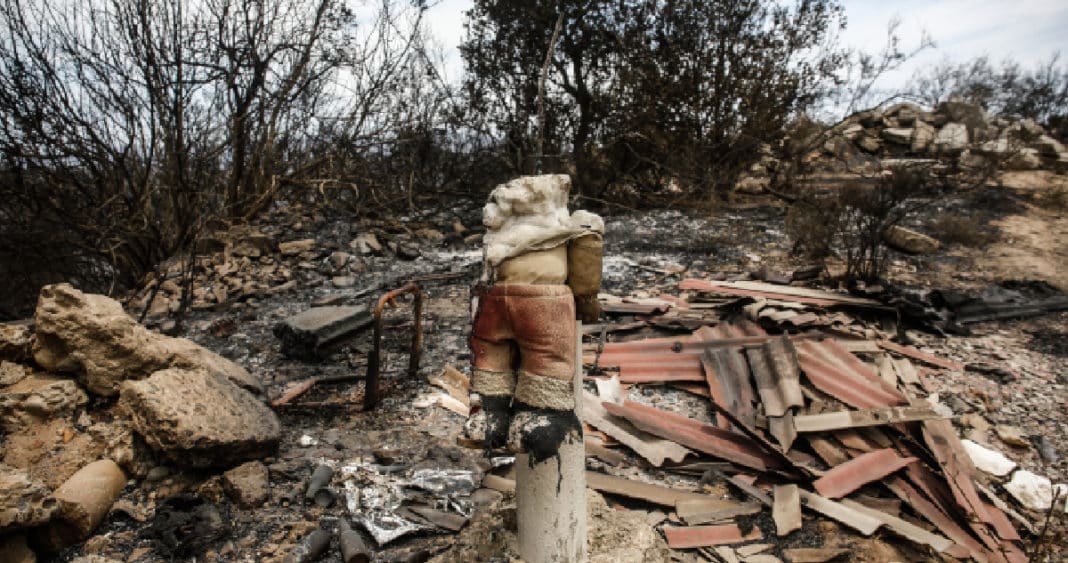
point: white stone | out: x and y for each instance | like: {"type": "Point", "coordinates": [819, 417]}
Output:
{"type": "Point", "coordinates": [1034, 492]}
{"type": "Point", "coordinates": [898, 135]}
{"type": "Point", "coordinates": [991, 461]}
{"type": "Point", "coordinates": [953, 137]}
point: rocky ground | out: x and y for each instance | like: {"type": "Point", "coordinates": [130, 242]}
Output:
{"type": "Point", "coordinates": [178, 503]}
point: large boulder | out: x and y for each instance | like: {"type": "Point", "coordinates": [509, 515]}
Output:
{"type": "Point", "coordinates": [38, 398]}
{"type": "Point", "coordinates": [951, 139]}
{"type": "Point", "coordinates": [91, 336]}
{"type": "Point", "coordinates": [198, 419]}
{"type": "Point", "coordinates": [23, 502]}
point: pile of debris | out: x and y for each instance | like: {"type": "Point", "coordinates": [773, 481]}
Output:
{"type": "Point", "coordinates": [243, 264]}
{"type": "Point", "coordinates": [797, 404]}
{"type": "Point", "coordinates": [953, 128]}
{"type": "Point", "coordinates": [64, 465]}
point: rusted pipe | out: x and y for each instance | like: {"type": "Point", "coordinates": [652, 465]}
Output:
{"type": "Point", "coordinates": [372, 392]}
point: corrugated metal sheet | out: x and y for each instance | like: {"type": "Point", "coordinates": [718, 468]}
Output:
{"type": "Point", "coordinates": [921, 356]}
{"type": "Point", "coordinates": [777, 376]}
{"type": "Point", "coordinates": [728, 380]}
{"type": "Point", "coordinates": [685, 370]}
{"type": "Point", "coordinates": [707, 536]}
{"type": "Point", "coordinates": [859, 471]}
{"type": "Point", "coordinates": [828, 368]}
{"type": "Point", "coordinates": [694, 434]}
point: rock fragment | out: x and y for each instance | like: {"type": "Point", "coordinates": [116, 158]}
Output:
{"type": "Point", "coordinates": [247, 484]}
{"type": "Point", "coordinates": [37, 398]}
{"type": "Point", "coordinates": [296, 247]}
{"type": "Point", "coordinates": [986, 459]}
{"type": "Point", "coordinates": [197, 419]}
{"type": "Point", "coordinates": [15, 342]}
{"type": "Point", "coordinates": [23, 502]}
{"type": "Point", "coordinates": [907, 240]}
{"type": "Point", "coordinates": [1034, 492]}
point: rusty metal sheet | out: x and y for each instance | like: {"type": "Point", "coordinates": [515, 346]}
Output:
{"type": "Point", "coordinates": [694, 434]}
{"type": "Point", "coordinates": [830, 370]}
{"type": "Point", "coordinates": [921, 356]}
{"type": "Point", "coordinates": [655, 450]}
{"type": "Point", "coordinates": [838, 420]}
{"type": "Point", "coordinates": [782, 429]}
{"type": "Point", "coordinates": [655, 494]}
{"type": "Point", "coordinates": [771, 291]}
{"type": "Point", "coordinates": [706, 536]}
{"type": "Point", "coordinates": [777, 375]}
{"type": "Point", "coordinates": [859, 471]}
{"type": "Point", "coordinates": [786, 509]}
{"type": "Point", "coordinates": [657, 372]}
{"type": "Point", "coordinates": [934, 515]}
{"type": "Point", "coordinates": [959, 473]}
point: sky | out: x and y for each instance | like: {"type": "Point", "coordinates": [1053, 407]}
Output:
{"type": "Point", "coordinates": [1028, 31]}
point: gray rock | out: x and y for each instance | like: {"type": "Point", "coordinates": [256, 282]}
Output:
{"type": "Point", "coordinates": [92, 337]}
{"type": "Point", "coordinates": [23, 502]}
{"type": "Point", "coordinates": [197, 419]}
{"type": "Point", "coordinates": [310, 334]}
{"type": "Point", "coordinates": [37, 398]}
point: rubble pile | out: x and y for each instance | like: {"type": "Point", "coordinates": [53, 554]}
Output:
{"type": "Point", "coordinates": [954, 129]}
{"type": "Point", "coordinates": [68, 449]}
{"type": "Point", "coordinates": [801, 404]}
{"type": "Point", "coordinates": [243, 264]}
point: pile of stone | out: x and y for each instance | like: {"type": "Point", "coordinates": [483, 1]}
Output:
{"type": "Point", "coordinates": [88, 397]}
{"type": "Point", "coordinates": [244, 264]}
{"type": "Point", "coordinates": [952, 129]}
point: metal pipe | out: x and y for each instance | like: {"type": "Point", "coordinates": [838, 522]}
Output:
{"type": "Point", "coordinates": [353, 548]}
{"type": "Point", "coordinates": [318, 481]}
{"type": "Point", "coordinates": [372, 392]}
{"type": "Point", "coordinates": [311, 547]}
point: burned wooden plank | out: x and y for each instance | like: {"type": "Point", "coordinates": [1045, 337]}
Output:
{"type": "Point", "coordinates": [859, 471]}
{"type": "Point", "coordinates": [786, 509]}
{"type": "Point", "coordinates": [861, 418]}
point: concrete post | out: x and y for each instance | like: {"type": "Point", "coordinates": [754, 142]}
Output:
{"type": "Point", "coordinates": [551, 498]}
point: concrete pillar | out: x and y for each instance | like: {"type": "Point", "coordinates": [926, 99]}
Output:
{"type": "Point", "coordinates": [551, 498]}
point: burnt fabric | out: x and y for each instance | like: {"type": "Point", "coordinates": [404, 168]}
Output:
{"type": "Point", "coordinates": [524, 327]}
